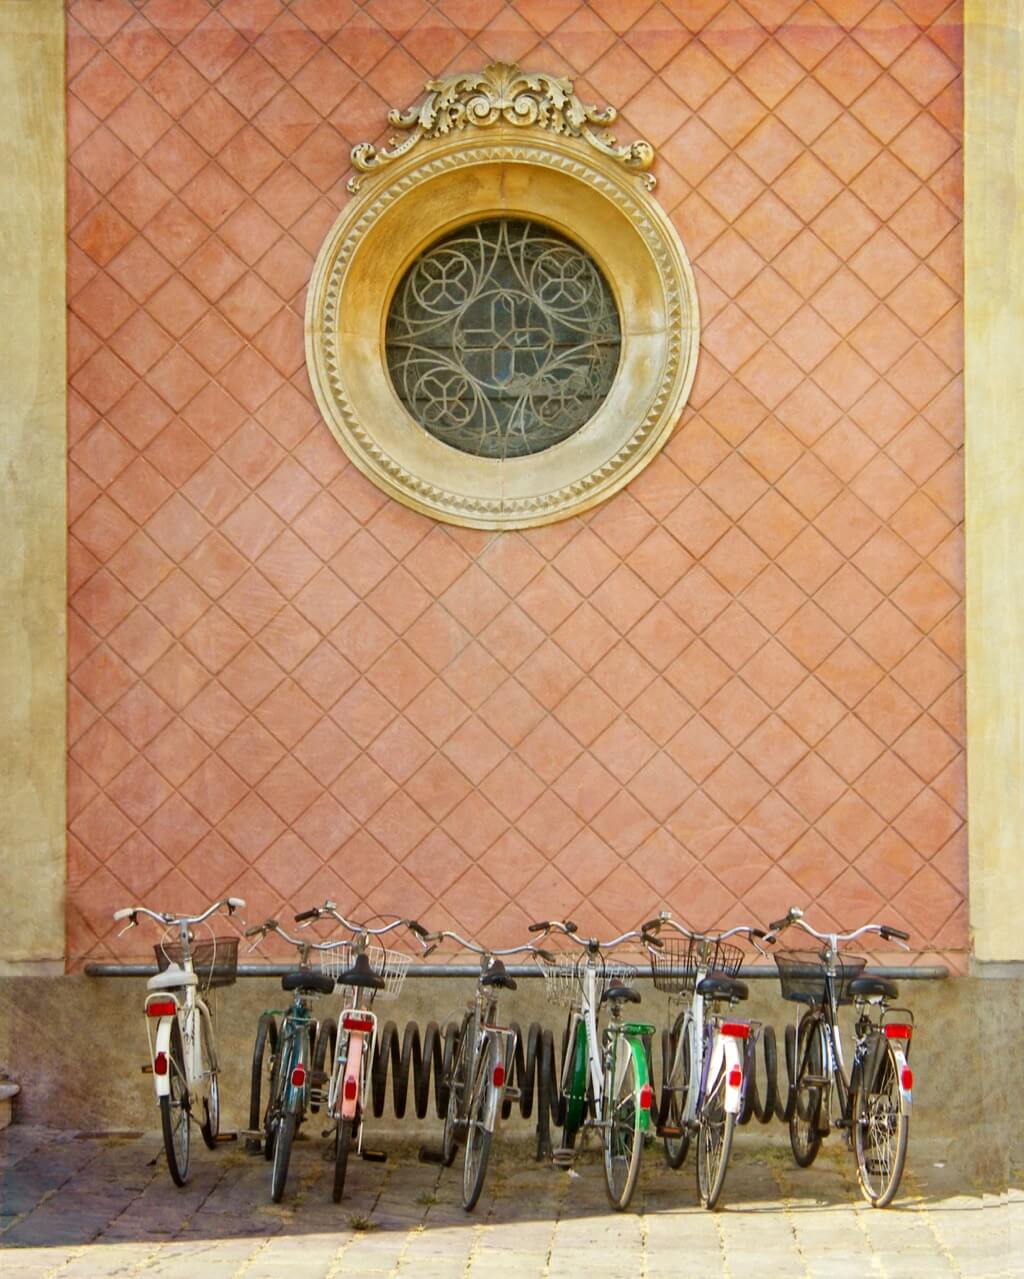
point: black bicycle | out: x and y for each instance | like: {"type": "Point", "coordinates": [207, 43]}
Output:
{"type": "Point", "coordinates": [872, 1103]}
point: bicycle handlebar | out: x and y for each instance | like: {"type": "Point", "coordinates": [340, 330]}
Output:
{"type": "Point", "coordinates": [331, 908]}
{"type": "Point", "coordinates": [886, 931]}
{"type": "Point", "coordinates": [569, 928]}
{"type": "Point", "coordinates": [475, 947]}
{"type": "Point", "coordinates": [161, 917]}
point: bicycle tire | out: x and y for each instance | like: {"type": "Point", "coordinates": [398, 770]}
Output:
{"type": "Point", "coordinates": [623, 1137]}
{"type": "Point", "coordinates": [210, 1126]}
{"type": "Point", "coordinates": [456, 1098]}
{"type": "Point", "coordinates": [876, 1117]}
{"type": "Point", "coordinates": [676, 1059]}
{"type": "Point", "coordinates": [478, 1137]}
{"type": "Point", "coordinates": [175, 1113]}
{"type": "Point", "coordinates": [343, 1142]}
{"type": "Point", "coordinates": [804, 1122]}
{"type": "Point", "coordinates": [573, 1110]}
{"type": "Point", "coordinates": [714, 1144]}
{"type": "Point", "coordinates": [283, 1138]}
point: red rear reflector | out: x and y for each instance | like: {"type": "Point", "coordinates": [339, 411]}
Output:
{"type": "Point", "coordinates": [499, 1076]}
{"type": "Point", "coordinates": [298, 1076]}
{"type": "Point", "coordinates": [646, 1097]}
{"type": "Point", "coordinates": [736, 1029]}
{"type": "Point", "coordinates": [160, 1064]}
{"type": "Point", "coordinates": [363, 1024]}
{"type": "Point", "coordinates": [735, 1077]}
{"type": "Point", "coordinates": [351, 1088]}
{"type": "Point", "coordinates": [161, 1008]}
{"type": "Point", "coordinates": [907, 1079]}
{"type": "Point", "coordinates": [897, 1030]}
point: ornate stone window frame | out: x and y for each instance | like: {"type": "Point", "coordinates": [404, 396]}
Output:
{"type": "Point", "coordinates": [501, 144]}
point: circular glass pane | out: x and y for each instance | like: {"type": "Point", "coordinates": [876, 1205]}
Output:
{"type": "Point", "coordinates": [503, 339]}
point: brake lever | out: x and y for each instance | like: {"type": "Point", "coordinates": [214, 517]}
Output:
{"type": "Point", "coordinates": [132, 923]}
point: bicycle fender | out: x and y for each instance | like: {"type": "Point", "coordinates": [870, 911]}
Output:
{"type": "Point", "coordinates": [353, 1062]}
{"type": "Point", "coordinates": [639, 1051]}
{"type": "Point", "coordinates": [576, 1102]}
{"type": "Point", "coordinates": [904, 1076]}
{"type": "Point", "coordinates": [725, 1057]}
{"type": "Point", "coordinates": [162, 1044]}
{"type": "Point", "coordinates": [501, 1038]}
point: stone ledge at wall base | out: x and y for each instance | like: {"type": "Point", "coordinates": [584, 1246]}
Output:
{"type": "Point", "coordinates": [8, 1092]}
{"type": "Point", "coordinates": [969, 1039]}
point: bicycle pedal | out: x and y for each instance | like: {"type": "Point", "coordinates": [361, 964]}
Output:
{"type": "Point", "coordinates": [251, 1134]}
{"type": "Point", "coordinates": [374, 1156]}
{"type": "Point", "coordinates": [317, 1078]}
{"type": "Point", "coordinates": [431, 1155]}
{"type": "Point", "coordinates": [147, 1070]}
{"type": "Point", "coordinates": [813, 1081]}
{"type": "Point", "coordinates": [670, 1130]}
{"type": "Point", "coordinates": [513, 1094]}
{"type": "Point", "coordinates": [563, 1157]}
{"type": "Point", "coordinates": [226, 1136]}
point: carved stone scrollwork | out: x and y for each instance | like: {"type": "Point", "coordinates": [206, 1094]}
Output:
{"type": "Point", "coordinates": [503, 93]}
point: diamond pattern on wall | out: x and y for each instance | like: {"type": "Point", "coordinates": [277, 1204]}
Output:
{"type": "Point", "coordinates": [735, 686]}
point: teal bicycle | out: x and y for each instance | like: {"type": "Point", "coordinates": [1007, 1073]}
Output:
{"type": "Point", "coordinates": [292, 1091]}
{"type": "Point", "coordinates": [606, 1075]}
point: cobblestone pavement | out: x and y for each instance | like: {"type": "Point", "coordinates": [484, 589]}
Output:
{"type": "Point", "coordinates": [76, 1206]}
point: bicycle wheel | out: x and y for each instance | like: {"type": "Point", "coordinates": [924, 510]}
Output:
{"type": "Point", "coordinates": [210, 1126]}
{"type": "Point", "coordinates": [478, 1137]}
{"type": "Point", "coordinates": [261, 1078]}
{"type": "Point", "coordinates": [623, 1135]}
{"type": "Point", "coordinates": [323, 1060]}
{"type": "Point", "coordinates": [343, 1142]}
{"type": "Point", "coordinates": [283, 1138]}
{"type": "Point", "coordinates": [174, 1111]}
{"type": "Point", "coordinates": [455, 1111]}
{"type": "Point", "coordinates": [804, 1124]}
{"type": "Point", "coordinates": [676, 1090]}
{"type": "Point", "coordinates": [880, 1131]}
{"type": "Point", "coordinates": [714, 1143]}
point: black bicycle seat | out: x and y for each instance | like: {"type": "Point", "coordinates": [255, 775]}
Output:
{"type": "Point", "coordinates": [361, 974]}
{"type": "Point", "coordinates": [621, 994]}
{"type": "Point", "coordinates": [715, 986]}
{"type": "Point", "coordinates": [305, 979]}
{"type": "Point", "coordinates": [871, 987]}
{"type": "Point", "coordinates": [497, 976]}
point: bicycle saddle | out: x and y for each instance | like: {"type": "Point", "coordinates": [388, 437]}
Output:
{"type": "Point", "coordinates": [715, 986]}
{"type": "Point", "coordinates": [306, 979]}
{"type": "Point", "coordinates": [871, 987]}
{"type": "Point", "coordinates": [497, 976]}
{"type": "Point", "coordinates": [171, 979]}
{"type": "Point", "coordinates": [361, 974]}
{"type": "Point", "coordinates": [624, 994]}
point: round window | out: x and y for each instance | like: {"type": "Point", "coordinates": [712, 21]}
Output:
{"type": "Point", "coordinates": [503, 338]}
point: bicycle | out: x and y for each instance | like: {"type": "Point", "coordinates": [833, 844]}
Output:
{"type": "Point", "coordinates": [182, 1047]}
{"type": "Point", "coordinates": [707, 1072]}
{"type": "Point", "coordinates": [476, 1078]}
{"type": "Point", "coordinates": [606, 1079]}
{"type": "Point", "coordinates": [873, 1103]}
{"type": "Point", "coordinates": [363, 972]}
{"type": "Point", "coordinates": [291, 1059]}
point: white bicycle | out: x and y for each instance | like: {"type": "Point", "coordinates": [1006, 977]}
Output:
{"type": "Point", "coordinates": [179, 1026]}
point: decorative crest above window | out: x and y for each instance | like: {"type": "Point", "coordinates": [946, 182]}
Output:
{"type": "Point", "coordinates": [503, 93]}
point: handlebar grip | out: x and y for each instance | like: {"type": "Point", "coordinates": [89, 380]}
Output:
{"type": "Point", "coordinates": [308, 914]}
{"type": "Point", "coordinates": [654, 941]}
{"type": "Point", "coordinates": [886, 932]}
{"type": "Point", "coordinates": [417, 928]}
{"type": "Point", "coordinates": [125, 913]}
{"type": "Point", "coordinates": [570, 926]}
{"type": "Point", "coordinates": [251, 932]}
{"type": "Point", "coordinates": [778, 923]}
{"type": "Point", "coordinates": [236, 903]}
{"type": "Point", "coordinates": [540, 927]}
{"type": "Point", "coordinates": [651, 926]}
{"type": "Point", "coordinates": [758, 933]}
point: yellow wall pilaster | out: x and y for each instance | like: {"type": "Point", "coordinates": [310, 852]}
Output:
{"type": "Point", "coordinates": [33, 520]}
{"type": "Point", "coordinates": [994, 388]}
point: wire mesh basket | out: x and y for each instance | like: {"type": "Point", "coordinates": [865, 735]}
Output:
{"type": "Point", "coordinates": [802, 975]}
{"type": "Point", "coordinates": [675, 966]}
{"type": "Point", "coordinates": [563, 978]}
{"type": "Point", "coordinates": [214, 960]}
{"type": "Point", "coordinates": [391, 965]}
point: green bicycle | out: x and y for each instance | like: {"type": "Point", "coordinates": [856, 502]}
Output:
{"type": "Point", "coordinates": [606, 1075]}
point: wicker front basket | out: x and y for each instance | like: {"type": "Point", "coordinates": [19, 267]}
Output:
{"type": "Point", "coordinates": [214, 960]}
